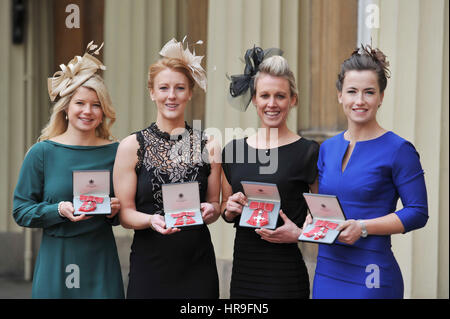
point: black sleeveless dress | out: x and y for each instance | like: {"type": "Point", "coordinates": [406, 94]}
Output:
{"type": "Point", "coordinates": [262, 269]}
{"type": "Point", "coordinates": [180, 265]}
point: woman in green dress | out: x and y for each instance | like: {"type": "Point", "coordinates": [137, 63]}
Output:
{"type": "Point", "coordinates": [78, 254]}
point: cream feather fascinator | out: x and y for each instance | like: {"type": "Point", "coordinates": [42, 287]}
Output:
{"type": "Point", "coordinates": [176, 50]}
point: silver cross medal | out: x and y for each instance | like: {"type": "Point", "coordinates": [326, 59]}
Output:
{"type": "Point", "coordinates": [259, 218]}
{"type": "Point", "coordinates": [320, 233]}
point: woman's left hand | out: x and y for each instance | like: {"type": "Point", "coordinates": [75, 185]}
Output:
{"type": "Point", "coordinates": [288, 233]}
{"type": "Point", "coordinates": [209, 213]}
{"type": "Point", "coordinates": [115, 207]}
{"type": "Point", "coordinates": [351, 231]}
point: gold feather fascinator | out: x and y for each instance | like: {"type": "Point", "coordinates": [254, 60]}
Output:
{"type": "Point", "coordinates": [77, 71]}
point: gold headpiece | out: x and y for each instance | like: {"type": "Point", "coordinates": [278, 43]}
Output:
{"type": "Point", "coordinates": [174, 49]}
{"type": "Point", "coordinates": [77, 71]}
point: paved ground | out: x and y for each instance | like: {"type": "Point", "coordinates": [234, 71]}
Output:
{"type": "Point", "coordinates": [14, 288]}
{"type": "Point", "coordinates": [17, 288]}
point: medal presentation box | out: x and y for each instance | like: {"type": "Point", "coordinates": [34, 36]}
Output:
{"type": "Point", "coordinates": [181, 204]}
{"type": "Point", "coordinates": [91, 192]}
{"type": "Point", "coordinates": [327, 215]}
{"type": "Point", "coordinates": [263, 205]}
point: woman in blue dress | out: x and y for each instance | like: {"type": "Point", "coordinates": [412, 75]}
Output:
{"type": "Point", "coordinates": [368, 168]}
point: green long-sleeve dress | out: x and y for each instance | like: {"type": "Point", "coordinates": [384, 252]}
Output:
{"type": "Point", "coordinates": [76, 259]}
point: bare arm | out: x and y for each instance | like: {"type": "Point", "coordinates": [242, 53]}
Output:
{"type": "Point", "coordinates": [125, 184]}
{"type": "Point", "coordinates": [232, 204]}
{"type": "Point", "coordinates": [211, 209]}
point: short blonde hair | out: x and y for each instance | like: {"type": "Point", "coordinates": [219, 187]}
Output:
{"type": "Point", "coordinates": [58, 122]}
{"type": "Point", "coordinates": [277, 66]}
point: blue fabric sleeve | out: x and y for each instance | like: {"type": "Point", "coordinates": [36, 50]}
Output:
{"type": "Point", "coordinates": [29, 209]}
{"type": "Point", "coordinates": [408, 177]}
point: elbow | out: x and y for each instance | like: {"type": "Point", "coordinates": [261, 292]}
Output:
{"type": "Point", "coordinates": [419, 222]}
{"type": "Point", "coordinates": [123, 220]}
{"type": "Point", "coordinates": [19, 216]}
{"type": "Point", "coordinates": [422, 220]}
{"type": "Point", "coordinates": [416, 220]}
{"type": "Point", "coordinates": [421, 217]}
{"type": "Point", "coordinates": [126, 226]}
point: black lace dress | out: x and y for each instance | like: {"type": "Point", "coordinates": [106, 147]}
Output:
{"type": "Point", "coordinates": [180, 265]}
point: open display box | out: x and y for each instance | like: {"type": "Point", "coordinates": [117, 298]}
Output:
{"type": "Point", "coordinates": [327, 216]}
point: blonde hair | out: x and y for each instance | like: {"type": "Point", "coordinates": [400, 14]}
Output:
{"type": "Point", "coordinates": [277, 66]}
{"type": "Point", "coordinates": [58, 123]}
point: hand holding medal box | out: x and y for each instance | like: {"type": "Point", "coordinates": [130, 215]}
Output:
{"type": "Point", "coordinates": [91, 192]}
{"type": "Point", "coordinates": [327, 215]}
{"type": "Point", "coordinates": [263, 205]}
{"type": "Point", "coordinates": [181, 204]}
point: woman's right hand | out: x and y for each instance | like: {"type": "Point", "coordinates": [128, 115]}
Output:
{"type": "Point", "coordinates": [66, 209]}
{"type": "Point", "coordinates": [235, 203]}
{"type": "Point", "coordinates": [157, 223]}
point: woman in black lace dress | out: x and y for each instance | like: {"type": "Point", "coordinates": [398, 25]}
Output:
{"type": "Point", "coordinates": [168, 262]}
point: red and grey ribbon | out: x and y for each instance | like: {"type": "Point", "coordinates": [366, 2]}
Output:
{"type": "Point", "coordinates": [260, 216]}
{"type": "Point", "coordinates": [89, 203]}
{"type": "Point", "coordinates": [320, 229]}
{"type": "Point", "coordinates": [184, 218]}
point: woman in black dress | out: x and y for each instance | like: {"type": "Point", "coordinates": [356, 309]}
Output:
{"type": "Point", "coordinates": [168, 262]}
{"type": "Point", "coordinates": [273, 267]}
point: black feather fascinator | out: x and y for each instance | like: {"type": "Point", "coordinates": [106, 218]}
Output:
{"type": "Point", "coordinates": [242, 85]}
